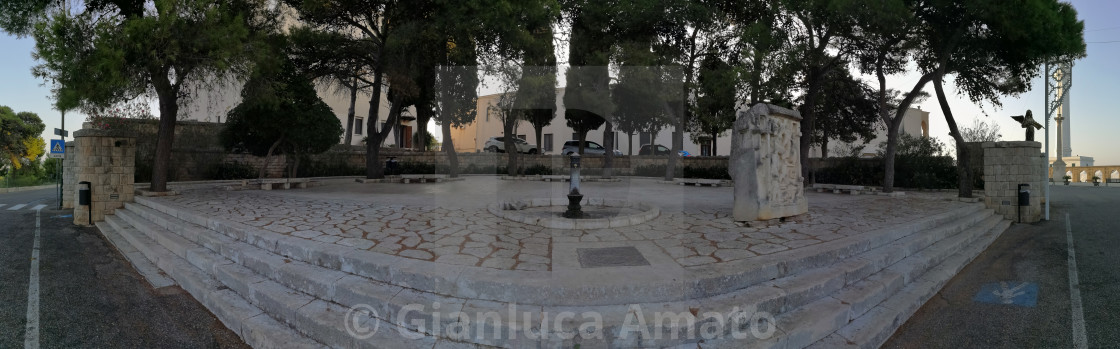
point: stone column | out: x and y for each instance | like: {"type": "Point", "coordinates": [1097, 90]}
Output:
{"type": "Point", "coordinates": [1059, 164]}
{"type": "Point", "coordinates": [69, 175]}
{"type": "Point", "coordinates": [766, 165]}
{"type": "Point", "coordinates": [1006, 165]}
{"type": "Point", "coordinates": [107, 160]}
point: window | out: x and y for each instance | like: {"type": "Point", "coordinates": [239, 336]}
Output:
{"type": "Point", "coordinates": [547, 142]}
{"type": "Point", "coordinates": [521, 136]}
{"type": "Point", "coordinates": [645, 138]}
{"type": "Point", "coordinates": [575, 136]}
{"type": "Point", "coordinates": [706, 147]}
{"type": "Point", "coordinates": [358, 126]}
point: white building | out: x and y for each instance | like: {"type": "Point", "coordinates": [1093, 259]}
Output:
{"type": "Point", "coordinates": [472, 137]}
{"type": "Point", "coordinates": [915, 123]}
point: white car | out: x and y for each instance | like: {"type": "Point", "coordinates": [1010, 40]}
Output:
{"type": "Point", "coordinates": [498, 145]}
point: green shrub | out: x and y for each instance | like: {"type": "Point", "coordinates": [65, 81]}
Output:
{"type": "Point", "coordinates": [232, 170]}
{"type": "Point", "coordinates": [537, 170]}
{"type": "Point", "coordinates": [706, 172]}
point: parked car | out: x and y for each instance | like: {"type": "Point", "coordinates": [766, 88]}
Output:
{"type": "Point", "coordinates": [498, 145]}
{"type": "Point", "coordinates": [658, 149]}
{"type": "Point", "coordinates": [571, 147]}
{"type": "Point", "coordinates": [653, 149]}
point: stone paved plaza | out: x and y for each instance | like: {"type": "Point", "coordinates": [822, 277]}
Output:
{"type": "Point", "coordinates": [448, 222]}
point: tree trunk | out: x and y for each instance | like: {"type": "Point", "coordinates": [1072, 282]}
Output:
{"type": "Point", "coordinates": [608, 155]}
{"type": "Point", "coordinates": [582, 138]}
{"type": "Point", "coordinates": [268, 158]}
{"type": "Point", "coordinates": [630, 139]}
{"type": "Point", "coordinates": [714, 136]}
{"type": "Point", "coordinates": [808, 120]}
{"type": "Point", "coordinates": [165, 137]}
{"type": "Point", "coordinates": [373, 137]}
{"type": "Point", "coordinates": [894, 123]}
{"type": "Point", "coordinates": [449, 149]}
{"type": "Point", "coordinates": [510, 143]}
{"type": "Point", "coordinates": [537, 130]}
{"type": "Point", "coordinates": [824, 148]}
{"type": "Point", "coordinates": [964, 168]}
{"type": "Point", "coordinates": [423, 116]}
{"type": "Point", "coordinates": [350, 113]}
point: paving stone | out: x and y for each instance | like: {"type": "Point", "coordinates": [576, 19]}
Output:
{"type": "Point", "coordinates": [731, 255]}
{"type": "Point", "coordinates": [480, 252]}
{"type": "Point", "coordinates": [499, 263]}
{"type": "Point", "coordinates": [767, 248]}
{"type": "Point", "coordinates": [458, 259]}
{"type": "Point", "coordinates": [417, 254]}
{"type": "Point", "coordinates": [696, 260]}
{"type": "Point", "coordinates": [531, 266]}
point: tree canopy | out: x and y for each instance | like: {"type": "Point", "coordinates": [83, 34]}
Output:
{"type": "Point", "coordinates": [20, 139]}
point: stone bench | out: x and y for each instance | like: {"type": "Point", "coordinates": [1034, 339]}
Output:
{"type": "Point", "coordinates": [700, 182]}
{"type": "Point", "coordinates": [840, 188]}
{"type": "Point", "coordinates": [422, 178]}
{"type": "Point", "coordinates": [1111, 180]}
{"type": "Point", "coordinates": [283, 183]}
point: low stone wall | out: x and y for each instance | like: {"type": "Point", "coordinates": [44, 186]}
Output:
{"type": "Point", "coordinates": [199, 164]}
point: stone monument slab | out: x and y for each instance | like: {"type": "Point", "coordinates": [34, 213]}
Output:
{"type": "Point", "coordinates": [766, 165]}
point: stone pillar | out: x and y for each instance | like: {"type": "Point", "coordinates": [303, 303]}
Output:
{"type": "Point", "coordinates": [69, 175]}
{"type": "Point", "coordinates": [1006, 165]}
{"type": "Point", "coordinates": [107, 160]}
{"type": "Point", "coordinates": [766, 165]}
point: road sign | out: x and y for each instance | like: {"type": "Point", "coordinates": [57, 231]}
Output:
{"type": "Point", "coordinates": [58, 146]}
{"type": "Point", "coordinates": [61, 132]}
{"type": "Point", "coordinates": [55, 156]}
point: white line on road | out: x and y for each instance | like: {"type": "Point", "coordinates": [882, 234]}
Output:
{"type": "Point", "coordinates": [2, 205]}
{"type": "Point", "coordinates": [31, 335]}
{"type": "Point", "coordinates": [38, 207]}
{"type": "Point", "coordinates": [16, 207]}
{"type": "Point", "coordinates": [1079, 339]}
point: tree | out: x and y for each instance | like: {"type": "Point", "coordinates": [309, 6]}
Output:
{"type": "Point", "coordinates": [280, 113]}
{"type": "Point", "coordinates": [587, 95]}
{"type": "Point", "coordinates": [329, 58]}
{"type": "Point", "coordinates": [19, 137]}
{"type": "Point", "coordinates": [716, 91]}
{"type": "Point", "coordinates": [993, 49]}
{"type": "Point", "coordinates": [884, 47]}
{"type": "Point", "coordinates": [365, 28]}
{"type": "Point", "coordinates": [114, 51]}
{"type": "Point", "coordinates": [821, 45]}
{"type": "Point", "coordinates": [981, 131]}
{"type": "Point", "coordinates": [847, 113]}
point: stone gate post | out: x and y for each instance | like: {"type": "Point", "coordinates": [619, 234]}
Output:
{"type": "Point", "coordinates": [106, 159]}
{"type": "Point", "coordinates": [1006, 165]}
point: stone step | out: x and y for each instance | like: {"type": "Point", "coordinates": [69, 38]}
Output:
{"type": "Point", "coordinates": [873, 328]}
{"type": "Point", "coordinates": [844, 320]}
{"type": "Point", "coordinates": [312, 318]}
{"type": "Point", "coordinates": [342, 289]}
{"type": "Point", "coordinates": [545, 288]}
{"type": "Point", "coordinates": [155, 277]}
{"type": "Point", "coordinates": [256, 328]}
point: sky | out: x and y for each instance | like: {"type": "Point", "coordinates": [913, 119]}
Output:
{"type": "Point", "coordinates": [1093, 115]}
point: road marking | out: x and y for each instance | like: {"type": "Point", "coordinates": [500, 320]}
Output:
{"type": "Point", "coordinates": [16, 207]}
{"type": "Point", "coordinates": [1079, 339]}
{"type": "Point", "coordinates": [38, 207]}
{"type": "Point", "coordinates": [31, 333]}
{"type": "Point", "coordinates": [2, 205]}
{"type": "Point", "coordinates": [1024, 294]}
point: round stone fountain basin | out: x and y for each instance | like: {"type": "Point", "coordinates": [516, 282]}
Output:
{"type": "Point", "coordinates": [598, 213]}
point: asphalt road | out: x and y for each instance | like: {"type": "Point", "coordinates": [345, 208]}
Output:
{"type": "Point", "coordinates": [1034, 254]}
{"type": "Point", "coordinates": [90, 296]}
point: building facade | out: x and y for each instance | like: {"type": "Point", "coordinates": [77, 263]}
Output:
{"type": "Point", "coordinates": [472, 138]}
{"type": "Point", "coordinates": [915, 123]}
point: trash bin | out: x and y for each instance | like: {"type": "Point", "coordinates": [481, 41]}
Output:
{"type": "Point", "coordinates": [85, 198]}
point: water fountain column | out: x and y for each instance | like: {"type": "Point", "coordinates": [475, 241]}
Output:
{"type": "Point", "coordinates": [574, 196]}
